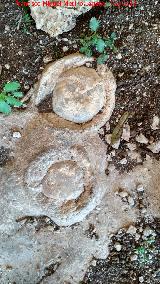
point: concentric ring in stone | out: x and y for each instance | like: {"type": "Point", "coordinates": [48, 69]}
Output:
{"type": "Point", "coordinates": [65, 184]}
{"type": "Point", "coordinates": [82, 98]}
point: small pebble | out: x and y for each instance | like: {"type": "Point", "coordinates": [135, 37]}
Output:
{"type": "Point", "coordinates": [131, 201]}
{"type": "Point", "coordinates": [126, 132]}
{"type": "Point", "coordinates": [108, 138]}
{"type": "Point", "coordinates": [94, 262]}
{"type": "Point", "coordinates": [134, 257]}
{"type": "Point", "coordinates": [143, 211]}
{"type": "Point", "coordinates": [141, 139]}
{"type": "Point", "coordinates": [118, 246]}
{"type": "Point", "coordinates": [155, 147]}
{"type": "Point", "coordinates": [101, 131]}
{"type": "Point", "coordinates": [140, 188]}
{"type": "Point", "coordinates": [123, 161]}
{"type": "Point", "coordinates": [7, 28]}
{"type": "Point", "coordinates": [119, 56]}
{"type": "Point", "coordinates": [137, 236]}
{"type": "Point", "coordinates": [7, 66]}
{"type": "Point", "coordinates": [132, 230]}
{"type": "Point", "coordinates": [16, 135]}
{"type": "Point", "coordinates": [130, 26]}
{"type": "Point", "coordinates": [113, 153]}
{"type": "Point", "coordinates": [141, 279]}
{"type": "Point", "coordinates": [148, 232]}
{"type": "Point", "coordinates": [20, 52]}
{"type": "Point", "coordinates": [123, 194]}
{"type": "Point", "coordinates": [107, 126]}
{"type": "Point", "coordinates": [65, 48]}
{"type": "Point", "coordinates": [88, 64]}
{"type": "Point", "coordinates": [47, 59]}
{"type": "Point", "coordinates": [155, 123]}
{"type": "Point", "coordinates": [116, 145]}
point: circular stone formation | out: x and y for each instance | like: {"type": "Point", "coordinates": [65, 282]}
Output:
{"type": "Point", "coordinates": [65, 184]}
{"type": "Point", "coordinates": [78, 95]}
{"type": "Point", "coordinates": [82, 98]}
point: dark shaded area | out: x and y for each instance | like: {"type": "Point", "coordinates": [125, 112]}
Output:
{"type": "Point", "coordinates": [40, 222]}
{"type": "Point", "coordinates": [49, 270]}
{"type": "Point", "coordinates": [4, 156]}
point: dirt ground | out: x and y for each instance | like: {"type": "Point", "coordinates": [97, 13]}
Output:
{"type": "Point", "coordinates": [25, 51]}
{"type": "Point", "coordinates": [130, 261]}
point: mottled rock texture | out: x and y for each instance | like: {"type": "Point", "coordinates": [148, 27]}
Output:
{"type": "Point", "coordinates": [78, 95]}
{"type": "Point", "coordinates": [57, 20]}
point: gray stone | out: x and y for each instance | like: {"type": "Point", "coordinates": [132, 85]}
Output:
{"type": "Point", "coordinates": [68, 178]}
{"type": "Point", "coordinates": [134, 257]}
{"type": "Point", "coordinates": [131, 230]}
{"type": "Point", "coordinates": [142, 139]}
{"type": "Point", "coordinates": [57, 20]}
{"type": "Point", "coordinates": [118, 246]}
{"type": "Point", "coordinates": [154, 147]}
{"type": "Point", "coordinates": [78, 95]}
{"type": "Point", "coordinates": [155, 123]}
{"type": "Point", "coordinates": [16, 135]}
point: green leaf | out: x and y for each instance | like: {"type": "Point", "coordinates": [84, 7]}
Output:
{"type": "Point", "coordinates": [109, 43]}
{"type": "Point", "coordinates": [2, 96]}
{"type": "Point", "coordinates": [94, 39]}
{"type": "Point", "coordinates": [88, 53]}
{"type": "Point", "coordinates": [85, 40]}
{"type": "Point", "coordinates": [108, 4]}
{"type": "Point", "coordinates": [102, 58]}
{"type": "Point", "coordinates": [117, 131]}
{"type": "Point", "coordinates": [114, 49]}
{"type": "Point", "coordinates": [18, 94]}
{"type": "Point", "coordinates": [141, 250]}
{"type": "Point", "coordinates": [4, 107]}
{"type": "Point", "coordinates": [100, 45]}
{"type": "Point", "coordinates": [94, 24]}
{"type": "Point", "coordinates": [13, 101]}
{"type": "Point", "coordinates": [27, 19]}
{"type": "Point", "coordinates": [12, 86]}
{"type": "Point", "coordinates": [113, 36]}
{"type": "Point", "coordinates": [83, 49]}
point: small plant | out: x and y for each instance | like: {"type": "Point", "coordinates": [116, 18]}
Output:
{"type": "Point", "coordinates": [145, 251]}
{"type": "Point", "coordinates": [9, 97]}
{"type": "Point", "coordinates": [27, 20]}
{"type": "Point", "coordinates": [95, 43]}
{"type": "Point", "coordinates": [107, 5]}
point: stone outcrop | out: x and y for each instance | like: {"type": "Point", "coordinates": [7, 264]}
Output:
{"type": "Point", "coordinates": [67, 181]}
{"type": "Point", "coordinates": [54, 179]}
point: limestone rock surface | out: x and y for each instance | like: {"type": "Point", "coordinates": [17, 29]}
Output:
{"type": "Point", "coordinates": [57, 20]}
{"type": "Point", "coordinates": [32, 241]}
{"type": "Point", "coordinates": [78, 95]}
